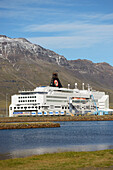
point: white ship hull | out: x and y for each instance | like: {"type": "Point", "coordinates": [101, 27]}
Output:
{"type": "Point", "coordinates": [55, 101]}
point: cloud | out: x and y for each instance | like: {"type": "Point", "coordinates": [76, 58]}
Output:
{"type": "Point", "coordinates": [92, 17]}
{"type": "Point", "coordinates": [46, 11]}
{"type": "Point", "coordinates": [62, 8]}
{"type": "Point", "coordinates": [51, 27]}
{"type": "Point", "coordinates": [59, 27]}
{"type": "Point", "coordinates": [83, 22]}
{"type": "Point", "coordinates": [18, 3]}
{"type": "Point", "coordinates": [76, 35]}
{"type": "Point", "coordinates": [77, 26]}
{"type": "Point", "coordinates": [67, 42]}
{"type": "Point", "coordinates": [33, 10]}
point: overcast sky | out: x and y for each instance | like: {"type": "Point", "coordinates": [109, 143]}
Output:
{"type": "Point", "coordinates": [76, 29]}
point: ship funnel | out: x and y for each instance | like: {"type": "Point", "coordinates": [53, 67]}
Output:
{"type": "Point", "coordinates": [55, 82]}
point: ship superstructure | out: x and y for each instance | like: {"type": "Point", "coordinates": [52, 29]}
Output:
{"type": "Point", "coordinates": [56, 100]}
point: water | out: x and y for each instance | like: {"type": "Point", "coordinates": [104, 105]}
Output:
{"type": "Point", "coordinates": [71, 136]}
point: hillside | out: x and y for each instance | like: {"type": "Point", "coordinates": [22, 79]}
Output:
{"type": "Point", "coordinates": [24, 65]}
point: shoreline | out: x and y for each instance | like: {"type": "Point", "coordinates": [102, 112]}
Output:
{"type": "Point", "coordinates": [28, 125]}
{"type": "Point", "coordinates": [45, 122]}
{"type": "Point", "coordinates": [56, 118]}
{"type": "Point", "coordinates": [63, 160]}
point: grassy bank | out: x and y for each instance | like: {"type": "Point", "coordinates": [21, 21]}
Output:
{"type": "Point", "coordinates": [65, 160]}
{"type": "Point", "coordinates": [56, 118]}
{"type": "Point", "coordinates": [28, 125]}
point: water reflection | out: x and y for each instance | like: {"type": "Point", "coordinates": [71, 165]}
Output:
{"type": "Point", "coordinates": [38, 151]}
{"type": "Point", "coordinates": [71, 136]}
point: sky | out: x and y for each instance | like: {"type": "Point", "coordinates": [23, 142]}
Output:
{"type": "Point", "coordinates": [76, 29]}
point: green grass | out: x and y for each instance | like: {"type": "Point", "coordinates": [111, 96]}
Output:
{"type": "Point", "coordinates": [57, 161]}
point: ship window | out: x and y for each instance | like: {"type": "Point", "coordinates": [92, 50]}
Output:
{"type": "Point", "coordinates": [57, 106]}
{"type": "Point", "coordinates": [51, 106]}
{"type": "Point", "coordinates": [87, 107]}
{"type": "Point", "coordinates": [63, 91]}
{"type": "Point", "coordinates": [46, 107]}
{"type": "Point", "coordinates": [56, 100]}
{"type": "Point", "coordinates": [18, 107]}
{"type": "Point", "coordinates": [21, 107]}
{"type": "Point", "coordinates": [14, 107]}
{"type": "Point", "coordinates": [62, 107]}
{"type": "Point", "coordinates": [10, 108]}
{"type": "Point", "coordinates": [59, 97]}
{"type": "Point", "coordinates": [28, 107]}
{"type": "Point", "coordinates": [77, 106]}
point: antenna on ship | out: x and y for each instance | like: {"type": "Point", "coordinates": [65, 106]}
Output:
{"type": "Point", "coordinates": [68, 86]}
{"type": "Point", "coordinates": [75, 85]}
{"type": "Point", "coordinates": [55, 82]}
{"type": "Point", "coordinates": [82, 86]}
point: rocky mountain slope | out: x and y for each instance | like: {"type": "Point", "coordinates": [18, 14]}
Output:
{"type": "Point", "coordinates": [16, 49]}
{"type": "Point", "coordinates": [97, 74]}
{"type": "Point", "coordinates": [24, 65]}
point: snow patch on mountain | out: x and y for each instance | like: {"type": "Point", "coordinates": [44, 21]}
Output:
{"type": "Point", "coordinates": [15, 48]}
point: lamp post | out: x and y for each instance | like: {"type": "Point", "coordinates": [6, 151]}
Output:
{"type": "Point", "coordinates": [6, 105]}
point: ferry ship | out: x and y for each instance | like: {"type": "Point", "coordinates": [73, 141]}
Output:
{"type": "Point", "coordinates": [54, 100]}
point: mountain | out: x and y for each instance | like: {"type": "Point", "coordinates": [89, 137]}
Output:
{"type": "Point", "coordinates": [24, 66]}
{"type": "Point", "coordinates": [17, 49]}
{"type": "Point", "coordinates": [97, 74]}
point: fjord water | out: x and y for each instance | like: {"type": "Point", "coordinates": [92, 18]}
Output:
{"type": "Point", "coordinates": [71, 136]}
